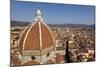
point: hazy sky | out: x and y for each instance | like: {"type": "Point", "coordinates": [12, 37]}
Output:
{"type": "Point", "coordinates": [53, 13]}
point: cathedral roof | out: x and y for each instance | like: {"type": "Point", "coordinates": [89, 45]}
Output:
{"type": "Point", "coordinates": [37, 36]}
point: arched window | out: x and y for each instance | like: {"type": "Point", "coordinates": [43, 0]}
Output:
{"type": "Point", "coordinates": [32, 57]}
{"type": "Point", "coordinates": [48, 54]}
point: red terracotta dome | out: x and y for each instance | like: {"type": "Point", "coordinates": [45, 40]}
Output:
{"type": "Point", "coordinates": [37, 38]}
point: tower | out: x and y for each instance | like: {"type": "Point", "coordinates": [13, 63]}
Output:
{"type": "Point", "coordinates": [36, 44]}
{"type": "Point", "coordinates": [67, 53]}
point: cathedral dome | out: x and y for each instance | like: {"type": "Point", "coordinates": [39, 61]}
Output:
{"type": "Point", "coordinates": [37, 38]}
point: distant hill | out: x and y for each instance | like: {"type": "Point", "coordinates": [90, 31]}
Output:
{"type": "Point", "coordinates": [20, 23]}
{"type": "Point", "coordinates": [73, 25]}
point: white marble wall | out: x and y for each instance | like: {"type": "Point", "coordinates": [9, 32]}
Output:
{"type": "Point", "coordinates": [42, 59]}
{"type": "Point", "coordinates": [25, 59]}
